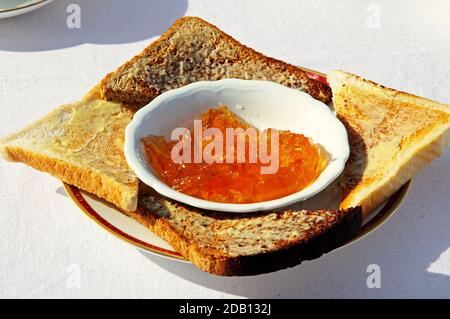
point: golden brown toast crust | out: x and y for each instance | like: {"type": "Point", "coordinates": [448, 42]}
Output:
{"type": "Point", "coordinates": [200, 245]}
{"type": "Point", "coordinates": [84, 178]}
{"type": "Point", "coordinates": [146, 92]}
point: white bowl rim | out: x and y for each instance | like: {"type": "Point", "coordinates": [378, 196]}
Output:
{"type": "Point", "coordinates": [133, 143]}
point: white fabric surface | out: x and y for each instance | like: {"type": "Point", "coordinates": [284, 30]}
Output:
{"type": "Point", "coordinates": [45, 240]}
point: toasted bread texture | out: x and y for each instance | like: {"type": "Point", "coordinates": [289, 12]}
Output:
{"type": "Point", "coordinates": [81, 144]}
{"type": "Point", "coordinates": [392, 135]}
{"type": "Point", "coordinates": [195, 50]}
{"type": "Point", "coordinates": [230, 244]}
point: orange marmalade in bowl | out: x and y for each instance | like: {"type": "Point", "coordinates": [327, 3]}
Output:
{"type": "Point", "coordinates": [299, 160]}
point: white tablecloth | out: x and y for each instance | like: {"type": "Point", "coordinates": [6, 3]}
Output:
{"type": "Point", "coordinates": [48, 248]}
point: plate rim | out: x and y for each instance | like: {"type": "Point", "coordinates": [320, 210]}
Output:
{"type": "Point", "coordinates": [24, 7]}
{"type": "Point", "coordinates": [74, 193]}
{"type": "Point", "coordinates": [390, 207]}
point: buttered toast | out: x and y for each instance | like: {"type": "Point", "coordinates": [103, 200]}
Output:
{"type": "Point", "coordinates": [392, 135]}
{"type": "Point", "coordinates": [195, 50]}
{"type": "Point", "coordinates": [81, 144]}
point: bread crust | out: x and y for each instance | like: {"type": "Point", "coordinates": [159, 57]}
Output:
{"type": "Point", "coordinates": [94, 182]}
{"type": "Point", "coordinates": [287, 254]}
{"type": "Point", "coordinates": [315, 88]}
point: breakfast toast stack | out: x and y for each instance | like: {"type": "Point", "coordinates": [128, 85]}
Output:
{"type": "Point", "coordinates": [392, 135]}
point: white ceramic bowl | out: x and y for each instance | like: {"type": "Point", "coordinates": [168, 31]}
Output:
{"type": "Point", "coordinates": [263, 104]}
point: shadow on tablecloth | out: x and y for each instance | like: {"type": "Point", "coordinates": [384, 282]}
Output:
{"type": "Point", "coordinates": [102, 22]}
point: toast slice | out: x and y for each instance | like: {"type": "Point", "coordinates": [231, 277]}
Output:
{"type": "Point", "coordinates": [193, 50]}
{"type": "Point", "coordinates": [230, 244]}
{"type": "Point", "coordinates": [81, 144]}
{"type": "Point", "coordinates": [392, 135]}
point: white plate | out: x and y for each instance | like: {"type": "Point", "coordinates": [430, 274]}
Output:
{"type": "Point", "coordinates": [11, 8]}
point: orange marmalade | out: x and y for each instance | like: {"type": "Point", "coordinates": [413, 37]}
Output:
{"type": "Point", "coordinates": [300, 163]}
